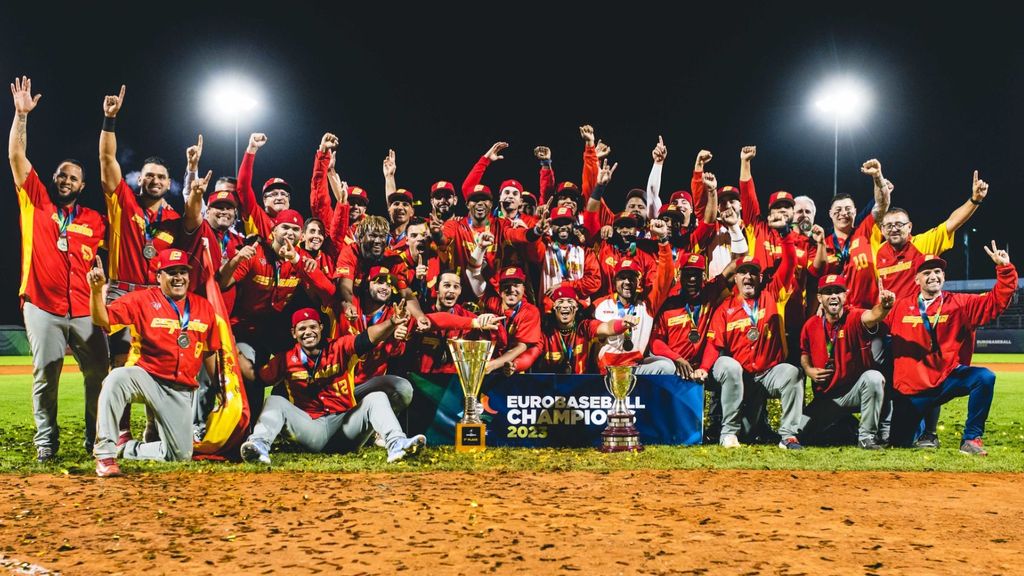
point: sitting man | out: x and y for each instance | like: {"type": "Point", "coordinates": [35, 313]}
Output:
{"type": "Point", "coordinates": [929, 337]}
{"type": "Point", "coordinates": [320, 410]}
{"type": "Point", "coordinates": [172, 335]}
{"type": "Point", "coordinates": [835, 352]}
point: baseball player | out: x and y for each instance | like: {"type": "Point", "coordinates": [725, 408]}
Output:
{"type": "Point", "coordinates": [835, 352]}
{"type": "Point", "coordinates": [277, 194]}
{"type": "Point", "coordinates": [568, 337]}
{"type": "Point", "coordinates": [59, 241]}
{"type": "Point", "coordinates": [930, 335]}
{"type": "Point", "coordinates": [320, 410]}
{"type": "Point", "coordinates": [173, 334]}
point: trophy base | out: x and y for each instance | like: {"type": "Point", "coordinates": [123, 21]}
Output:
{"type": "Point", "coordinates": [620, 435]}
{"type": "Point", "coordinates": [470, 437]}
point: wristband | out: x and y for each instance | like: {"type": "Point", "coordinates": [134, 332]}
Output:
{"type": "Point", "coordinates": [109, 124]}
{"type": "Point", "coordinates": [976, 202]}
{"type": "Point", "coordinates": [545, 163]}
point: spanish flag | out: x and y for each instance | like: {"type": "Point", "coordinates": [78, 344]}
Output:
{"type": "Point", "coordinates": [227, 423]}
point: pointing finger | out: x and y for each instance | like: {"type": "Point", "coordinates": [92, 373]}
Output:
{"type": "Point", "coordinates": [120, 96]}
{"type": "Point", "coordinates": [199, 142]}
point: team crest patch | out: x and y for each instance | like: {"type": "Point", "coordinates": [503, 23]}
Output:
{"type": "Point", "coordinates": [155, 305]}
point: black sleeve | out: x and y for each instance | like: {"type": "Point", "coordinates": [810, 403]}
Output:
{"type": "Point", "coordinates": [362, 344]}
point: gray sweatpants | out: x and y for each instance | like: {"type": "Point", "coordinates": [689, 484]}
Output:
{"type": "Point", "coordinates": [781, 381]}
{"type": "Point", "coordinates": [48, 337]}
{"type": "Point", "coordinates": [865, 397]}
{"type": "Point", "coordinates": [655, 365]}
{"type": "Point", "coordinates": [397, 389]}
{"type": "Point", "coordinates": [171, 404]}
{"type": "Point", "coordinates": [372, 413]}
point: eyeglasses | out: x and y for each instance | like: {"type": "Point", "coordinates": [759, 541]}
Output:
{"type": "Point", "coordinates": [895, 225]}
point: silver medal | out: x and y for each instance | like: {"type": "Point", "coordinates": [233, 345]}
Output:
{"type": "Point", "coordinates": [753, 334]}
{"type": "Point", "coordinates": [62, 244]}
{"type": "Point", "coordinates": [149, 251]}
{"type": "Point", "coordinates": [183, 340]}
{"type": "Point", "coordinates": [693, 336]}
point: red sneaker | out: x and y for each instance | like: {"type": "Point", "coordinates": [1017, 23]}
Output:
{"type": "Point", "coordinates": [973, 448]}
{"type": "Point", "coordinates": [107, 467]}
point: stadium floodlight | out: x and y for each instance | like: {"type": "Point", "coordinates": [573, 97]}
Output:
{"type": "Point", "coordinates": [229, 99]}
{"type": "Point", "coordinates": [841, 100]}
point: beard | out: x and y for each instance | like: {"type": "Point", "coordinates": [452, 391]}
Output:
{"type": "Point", "coordinates": [62, 201]}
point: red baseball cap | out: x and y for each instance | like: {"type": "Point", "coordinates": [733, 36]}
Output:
{"type": "Point", "coordinates": [625, 219]}
{"type": "Point", "coordinates": [564, 291]}
{"type": "Point", "coordinates": [568, 189]}
{"type": "Point", "coordinates": [510, 183]}
{"type": "Point", "coordinates": [400, 194]}
{"type": "Point", "coordinates": [442, 186]}
{"type": "Point", "coordinates": [747, 262]}
{"type": "Point", "coordinates": [276, 184]}
{"type": "Point", "coordinates": [727, 192]}
{"type": "Point", "coordinates": [171, 257]}
{"type": "Point", "coordinates": [694, 262]}
{"type": "Point", "coordinates": [480, 191]}
{"type": "Point", "coordinates": [378, 271]}
{"type": "Point", "coordinates": [681, 194]}
{"type": "Point", "coordinates": [780, 197]}
{"type": "Point", "coordinates": [563, 213]}
{"type": "Point", "coordinates": [627, 265]}
{"type": "Point", "coordinates": [831, 280]}
{"type": "Point", "coordinates": [670, 210]}
{"type": "Point", "coordinates": [931, 261]}
{"type": "Point", "coordinates": [304, 314]}
{"type": "Point", "coordinates": [358, 196]}
{"type": "Point", "coordinates": [529, 197]}
{"type": "Point", "coordinates": [220, 196]}
{"type": "Point", "coordinates": [288, 217]}
{"type": "Point", "coordinates": [512, 274]}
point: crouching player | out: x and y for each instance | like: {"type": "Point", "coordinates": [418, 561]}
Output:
{"type": "Point", "coordinates": [835, 351]}
{"type": "Point", "coordinates": [320, 410]}
{"type": "Point", "coordinates": [931, 333]}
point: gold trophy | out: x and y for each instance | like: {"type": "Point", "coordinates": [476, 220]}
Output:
{"type": "Point", "coordinates": [470, 358]}
{"type": "Point", "coordinates": [621, 434]}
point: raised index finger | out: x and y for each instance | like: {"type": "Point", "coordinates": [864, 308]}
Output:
{"type": "Point", "coordinates": [199, 142]}
{"type": "Point", "coordinates": [121, 95]}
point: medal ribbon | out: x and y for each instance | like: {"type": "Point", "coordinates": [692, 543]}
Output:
{"type": "Point", "coordinates": [151, 227]}
{"type": "Point", "coordinates": [932, 330]}
{"type": "Point", "coordinates": [375, 318]}
{"type": "Point", "coordinates": [842, 250]}
{"type": "Point", "coordinates": [694, 317]}
{"type": "Point", "coordinates": [224, 243]}
{"type": "Point", "coordinates": [182, 318]}
{"type": "Point", "coordinates": [311, 369]}
{"type": "Point", "coordinates": [512, 318]}
{"type": "Point", "coordinates": [623, 312]}
{"type": "Point", "coordinates": [64, 222]}
{"type": "Point", "coordinates": [831, 335]}
{"type": "Point", "coordinates": [752, 312]}
{"type": "Point", "coordinates": [567, 351]}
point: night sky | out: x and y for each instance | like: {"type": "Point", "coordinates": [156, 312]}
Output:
{"type": "Point", "coordinates": [441, 84]}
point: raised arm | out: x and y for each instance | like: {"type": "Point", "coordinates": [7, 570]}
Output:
{"type": "Point", "coordinates": [192, 155]}
{"type": "Point", "coordinates": [193, 218]}
{"type": "Point", "coordinates": [873, 317]}
{"type": "Point", "coordinates": [748, 194]}
{"type": "Point", "coordinates": [882, 188]}
{"type": "Point", "coordinates": [696, 183]}
{"type": "Point", "coordinates": [98, 295]}
{"type": "Point", "coordinates": [979, 189]}
{"type": "Point", "coordinates": [17, 146]}
{"type": "Point", "coordinates": [390, 166]}
{"type": "Point", "coordinates": [110, 170]}
{"type": "Point", "coordinates": [319, 198]}
{"type": "Point", "coordinates": [659, 154]}
{"type": "Point", "coordinates": [476, 173]}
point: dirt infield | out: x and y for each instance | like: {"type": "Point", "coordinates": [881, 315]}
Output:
{"type": "Point", "coordinates": [672, 522]}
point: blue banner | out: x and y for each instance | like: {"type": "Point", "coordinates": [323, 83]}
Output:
{"type": "Point", "coordinates": [553, 410]}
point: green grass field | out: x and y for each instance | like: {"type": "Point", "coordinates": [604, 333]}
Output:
{"type": "Point", "coordinates": [1004, 440]}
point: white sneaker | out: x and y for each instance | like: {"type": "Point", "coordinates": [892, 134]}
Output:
{"type": "Point", "coordinates": [406, 447]}
{"type": "Point", "coordinates": [729, 441]}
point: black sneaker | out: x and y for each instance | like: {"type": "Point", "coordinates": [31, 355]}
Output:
{"type": "Point", "coordinates": [869, 444]}
{"type": "Point", "coordinates": [927, 440]}
{"type": "Point", "coordinates": [44, 454]}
